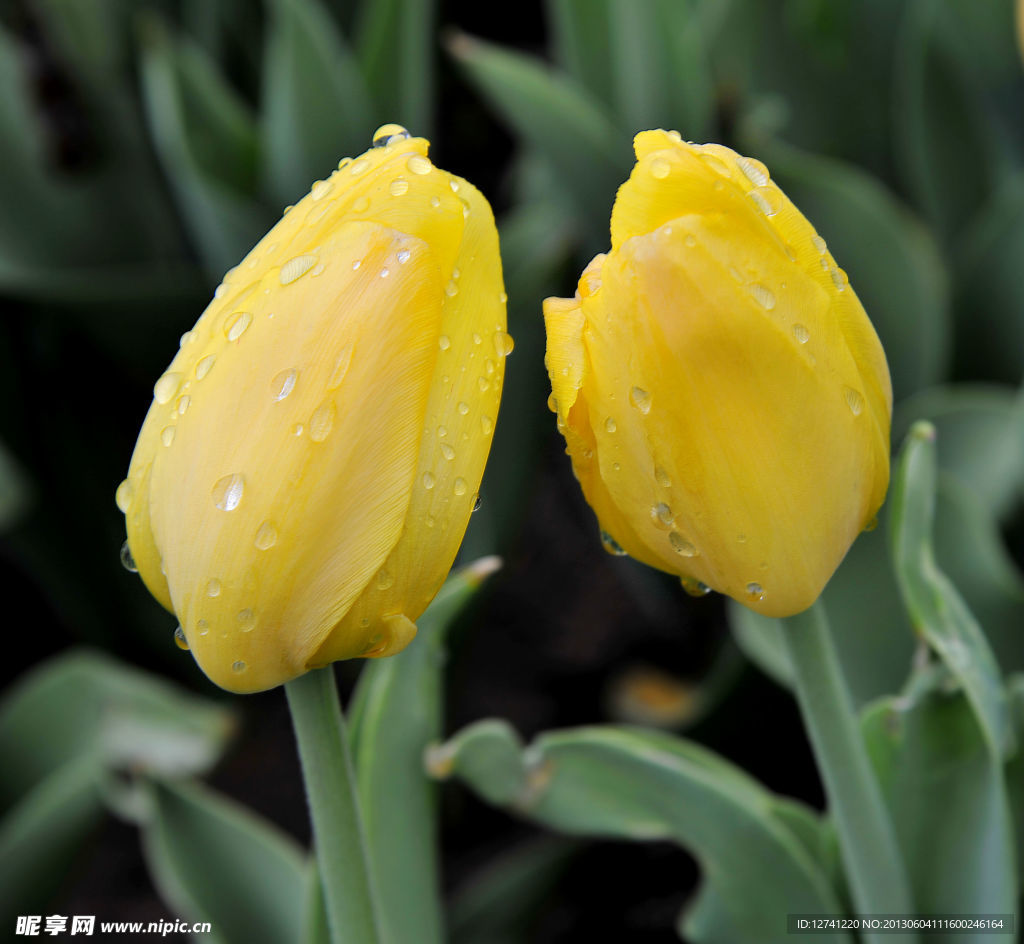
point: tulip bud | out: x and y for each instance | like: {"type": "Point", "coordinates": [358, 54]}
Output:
{"type": "Point", "coordinates": [725, 400]}
{"type": "Point", "coordinates": [308, 466]}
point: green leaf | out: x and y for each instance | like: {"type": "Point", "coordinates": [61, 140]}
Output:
{"type": "Point", "coordinates": [547, 111]}
{"type": "Point", "coordinates": [314, 916]}
{"type": "Point", "coordinates": [497, 902]}
{"type": "Point", "coordinates": [990, 331]}
{"type": "Point", "coordinates": [892, 261]}
{"type": "Point", "coordinates": [582, 41]}
{"type": "Point", "coordinates": [640, 785]}
{"type": "Point", "coordinates": [207, 142]}
{"type": "Point", "coordinates": [395, 42]}
{"type": "Point", "coordinates": [1015, 772]}
{"type": "Point", "coordinates": [316, 109]}
{"type": "Point", "coordinates": [213, 860]}
{"type": "Point", "coordinates": [396, 712]}
{"type": "Point", "coordinates": [948, 800]}
{"type": "Point", "coordinates": [86, 705]}
{"type": "Point", "coordinates": [41, 834]}
{"type": "Point", "coordinates": [937, 610]}
{"type": "Point", "coordinates": [980, 439]}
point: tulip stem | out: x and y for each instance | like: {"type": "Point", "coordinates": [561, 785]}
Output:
{"type": "Point", "coordinates": [339, 836]}
{"type": "Point", "coordinates": [871, 857]}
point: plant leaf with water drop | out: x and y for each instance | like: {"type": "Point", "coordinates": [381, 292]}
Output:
{"type": "Point", "coordinates": [936, 609]}
{"type": "Point", "coordinates": [87, 705]}
{"type": "Point", "coordinates": [947, 796]}
{"type": "Point", "coordinates": [207, 142]}
{"type": "Point", "coordinates": [396, 712]}
{"type": "Point", "coordinates": [316, 108]}
{"type": "Point", "coordinates": [213, 860]}
{"type": "Point", "coordinates": [640, 785]}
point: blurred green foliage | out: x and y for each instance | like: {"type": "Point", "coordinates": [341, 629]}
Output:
{"type": "Point", "coordinates": [146, 144]}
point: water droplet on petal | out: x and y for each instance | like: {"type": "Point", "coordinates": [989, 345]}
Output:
{"type": "Point", "coordinates": [463, 408]}
{"type": "Point", "coordinates": [454, 184]}
{"type": "Point", "coordinates": [477, 502]}
{"type": "Point", "coordinates": [213, 588]}
{"type": "Point", "coordinates": [403, 256]}
{"type": "Point", "coordinates": [503, 343]}
{"type": "Point", "coordinates": [183, 404]}
{"type": "Point", "coordinates": [451, 289]}
{"type": "Point", "coordinates": [318, 269]}
{"type": "Point", "coordinates": [611, 545]}
{"type": "Point", "coordinates": [853, 400]}
{"type": "Point", "coordinates": [341, 366]}
{"type": "Point", "coordinates": [127, 561]}
{"type": "Point", "coordinates": [487, 425]}
{"type": "Point", "coordinates": [660, 168]}
{"type": "Point", "coordinates": [398, 187]}
{"type": "Point", "coordinates": [202, 627]}
{"type": "Point", "coordinates": [266, 536]}
{"type": "Point", "coordinates": [460, 487]}
{"type": "Point", "coordinates": [322, 421]}
{"type": "Point", "coordinates": [428, 481]}
{"type": "Point", "coordinates": [681, 546]}
{"type": "Point", "coordinates": [385, 272]}
{"type": "Point", "coordinates": [179, 638]}
{"type": "Point", "coordinates": [717, 165]}
{"type": "Point", "coordinates": [447, 451]}
{"type": "Point", "coordinates": [418, 164]}
{"type": "Point", "coordinates": [435, 201]}
{"type": "Point", "coordinates": [283, 383]}
{"type": "Point", "coordinates": [167, 435]}
{"type": "Point", "coordinates": [166, 387]}
{"type": "Point", "coordinates": [766, 199]}
{"type": "Point", "coordinates": [801, 333]}
{"type": "Point", "coordinates": [359, 167]}
{"type": "Point", "coordinates": [385, 580]}
{"type": "Point", "coordinates": [694, 587]}
{"type": "Point", "coordinates": [204, 365]}
{"type": "Point", "coordinates": [296, 267]}
{"type": "Point", "coordinates": [185, 338]}
{"type": "Point", "coordinates": [360, 205]}
{"type": "Point", "coordinates": [662, 515]}
{"type": "Point", "coordinates": [246, 619]}
{"type": "Point", "coordinates": [818, 243]}
{"type": "Point", "coordinates": [320, 189]}
{"type": "Point", "coordinates": [756, 591]}
{"type": "Point", "coordinates": [640, 399]}
{"type": "Point", "coordinates": [753, 170]}
{"type": "Point", "coordinates": [238, 666]}
{"type": "Point", "coordinates": [609, 424]}
{"type": "Point", "coordinates": [124, 495]}
{"type": "Point", "coordinates": [444, 342]}
{"type": "Point", "coordinates": [662, 477]}
{"type": "Point", "coordinates": [227, 492]}
{"type": "Point", "coordinates": [763, 296]}
{"type": "Point", "coordinates": [838, 279]}
{"type": "Point", "coordinates": [389, 134]}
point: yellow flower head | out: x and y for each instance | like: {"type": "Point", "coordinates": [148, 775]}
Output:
{"type": "Point", "coordinates": [725, 400]}
{"type": "Point", "coordinates": [307, 469]}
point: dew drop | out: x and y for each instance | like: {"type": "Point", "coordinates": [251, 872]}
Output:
{"type": "Point", "coordinates": [818, 243]}
{"type": "Point", "coordinates": [690, 240]}
{"type": "Point", "coordinates": [766, 199]}
{"type": "Point", "coordinates": [435, 201]}
{"type": "Point", "coordinates": [322, 421]}
{"type": "Point", "coordinates": [451, 289]}
{"type": "Point", "coordinates": [227, 492]}
{"type": "Point", "coordinates": [447, 451]}
{"type": "Point", "coordinates": [753, 170]}
{"type": "Point", "coordinates": [203, 367]}
{"type": "Point", "coordinates": [213, 588]}
{"type": "Point", "coordinates": [640, 399]}
{"type": "Point", "coordinates": [741, 538]}
{"type": "Point", "coordinates": [238, 666]}
{"type": "Point", "coordinates": [185, 338]}
{"type": "Point", "coordinates": [320, 189]}
{"type": "Point", "coordinates": [283, 383]}
{"type": "Point", "coordinates": [418, 164]}
{"type": "Point", "coordinates": [167, 435]}
{"type": "Point", "coordinates": [360, 205]}
{"type": "Point", "coordinates": [359, 167]}
{"type": "Point", "coordinates": [236, 324]}
{"type": "Point", "coordinates": [662, 515]}
{"type": "Point", "coordinates": [444, 342]}
{"type": "Point", "coordinates": [660, 168]}
{"type": "Point", "coordinates": [398, 187]}
{"type": "Point", "coordinates": [179, 638]}
{"type": "Point", "coordinates": [389, 134]}
{"type": "Point", "coordinates": [318, 269]}
{"type": "Point", "coordinates": [429, 520]}
{"type": "Point", "coordinates": [853, 400]}
{"type": "Point", "coordinates": [763, 296]}
{"type": "Point", "coordinates": [483, 383]}
{"type": "Point", "coordinates": [202, 626]}
{"type": "Point", "coordinates": [694, 587]}
{"type": "Point", "coordinates": [801, 333]}
{"type": "Point", "coordinates": [662, 477]}
{"type": "Point", "coordinates": [463, 408]}
{"type": "Point", "coordinates": [341, 366]}
{"type": "Point", "coordinates": [385, 272]}
{"type": "Point", "coordinates": [838, 279]}
{"type": "Point", "coordinates": [266, 536]}
{"type": "Point", "coordinates": [246, 619]}
{"type": "Point", "coordinates": [127, 561]}
{"type": "Point", "coordinates": [872, 524]}
{"type": "Point", "coordinates": [166, 387]}
{"type": "Point", "coordinates": [296, 267]}
{"type": "Point", "coordinates": [124, 495]}
{"type": "Point", "coordinates": [297, 429]}
{"type": "Point", "coordinates": [183, 404]}
{"type": "Point", "coordinates": [454, 184]}
{"type": "Point", "coordinates": [609, 424]}
{"type": "Point", "coordinates": [756, 591]}
{"type": "Point", "coordinates": [681, 546]}
{"type": "Point", "coordinates": [486, 425]}
{"type": "Point", "coordinates": [611, 545]}
{"type": "Point", "coordinates": [503, 343]}
{"type": "Point", "coordinates": [403, 256]}
{"type": "Point", "coordinates": [385, 580]}
{"type": "Point", "coordinates": [460, 487]}
{"type": "Point", "coordinates": [428, 481]}
{"type": "Point", "coordinates": [716, 164]}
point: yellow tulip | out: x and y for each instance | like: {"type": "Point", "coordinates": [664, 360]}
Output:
{"type": "Point", "coordinates": [724, 398]}
{"type": "Point", "coordinates": [309, 463]}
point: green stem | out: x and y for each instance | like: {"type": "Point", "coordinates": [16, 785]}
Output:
{"type": "Point", "coordinates": [338, 832]}
{"type": "Point", "coordinates": [872, 859]}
